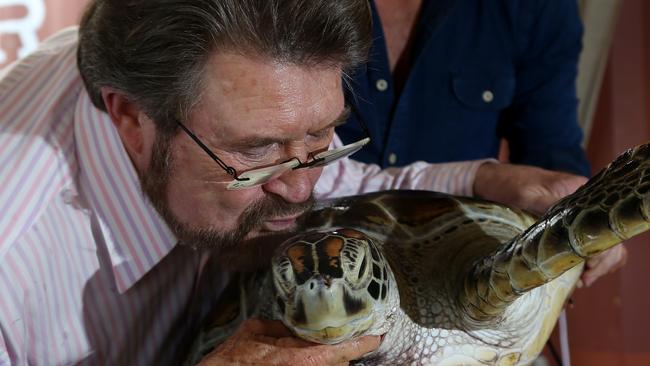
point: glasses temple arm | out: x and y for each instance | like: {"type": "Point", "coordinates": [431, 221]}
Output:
{"type": "Point", "coordinates": [230, 170]}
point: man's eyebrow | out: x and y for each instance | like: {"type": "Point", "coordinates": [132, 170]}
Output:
{"type": "Point", "coordinates": [341, 119]}
{"type": "Point", "coordinates": [257, 141]}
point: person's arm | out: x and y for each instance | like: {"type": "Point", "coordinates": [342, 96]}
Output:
{"type": "Point", "coordinates": [349, 177]}
{"type": "Point", "coordinates": [4, 354]}
{"type": "Point", "coordinates": [526, 187]}
{"type": "Point", "coordinates": [541, 124]}
{"type": "Point", "coordinates": [529, 188]}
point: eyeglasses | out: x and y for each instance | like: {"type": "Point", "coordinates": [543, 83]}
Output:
{"type": "Point", "coordinates": [258, 176]}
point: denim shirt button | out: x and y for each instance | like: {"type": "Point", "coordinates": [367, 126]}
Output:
{"type": "Point", "coordinates": [488, 96]}
{"type": "Point", "coordinates": [381, 85]}
{"type": "Point", "coordinates": [392, 159]}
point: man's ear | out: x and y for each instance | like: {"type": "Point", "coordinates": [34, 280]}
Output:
{"type": "Point", "coordinates": [131, 123]}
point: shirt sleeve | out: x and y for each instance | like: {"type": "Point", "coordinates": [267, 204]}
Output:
{"type": "Point", "coordinates": [541, 125]}
{"type": "Point", "coordinates": [348, 177]}
{"type": "Point", "coordinates": [4, 354]}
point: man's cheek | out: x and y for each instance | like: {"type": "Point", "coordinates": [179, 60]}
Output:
{"type": "Point", "coordinates": [233, 204]}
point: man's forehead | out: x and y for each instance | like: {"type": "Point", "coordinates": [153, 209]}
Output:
{"type": "Point", "coordinates": [243, 94]}
{"type": "Point", "coordinates": [236, 137]}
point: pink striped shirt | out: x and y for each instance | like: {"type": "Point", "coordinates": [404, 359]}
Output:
{"type": "Point", "coordinates": [89, 272]}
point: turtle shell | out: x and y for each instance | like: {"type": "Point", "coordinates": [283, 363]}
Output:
{"type": "Point", "coordinates": [430, 239]}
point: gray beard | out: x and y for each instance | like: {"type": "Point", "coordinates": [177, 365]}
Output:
{"type": "Point", "coordinates": [229, 244]}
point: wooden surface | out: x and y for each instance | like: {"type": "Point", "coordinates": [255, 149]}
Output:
{"type": "Point", "coordinates": [609, 324]}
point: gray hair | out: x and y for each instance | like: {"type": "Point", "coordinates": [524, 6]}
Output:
{"type": "Point", "coordinates": [155, 51]}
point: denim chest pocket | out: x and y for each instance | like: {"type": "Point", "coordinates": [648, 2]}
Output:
{"type": "Point", "coordinates": [485, 92]}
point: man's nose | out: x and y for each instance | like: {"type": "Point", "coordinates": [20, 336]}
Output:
{"type": "Point", "coordinates": [294, 186]}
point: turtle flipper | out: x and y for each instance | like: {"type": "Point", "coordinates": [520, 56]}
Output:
{"type": "Point", "coordinates": [618, 207]}
{"type": "Point", "coordinates": [611, 207]}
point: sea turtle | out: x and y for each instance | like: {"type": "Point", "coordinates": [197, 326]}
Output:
{"type": "Point", "coordinates": [446, 280]}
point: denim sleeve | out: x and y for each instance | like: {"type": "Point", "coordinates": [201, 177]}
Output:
{"type": "Point", "coordinates": [541, 125]}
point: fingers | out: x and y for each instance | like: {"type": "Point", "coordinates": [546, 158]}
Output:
{"type": "Point", "coordinates": [564, 184]}
{"type": "Point", "coordinates": [286, 342]}
{"type": "Point", "coordinates": [320, 355]}
{"type": "Point", "coordinates": [604, 263]}
{"type": "Point", "coordinates": [538, 205]}
{"type": "Point", "coordinates": [270, 328]}
{"type": "Point", "coordinates": [349, 350]}
{"type": "Point", "coordinates": [529, 188]}
{"type": "Point", "coordinates": [555, 187]}
{"type": "Point", "coordinates": [365, 345]}
{"type": "Point", "coordinates": [622, 258]}
{"type": "Point", "coordinates": [271, 343]}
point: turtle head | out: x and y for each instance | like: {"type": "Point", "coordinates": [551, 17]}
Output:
{"type": "Point", "coordinates": [332, 286]}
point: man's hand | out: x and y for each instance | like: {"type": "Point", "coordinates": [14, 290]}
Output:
{"type": "Point", "coordinates": [606, 262]}
{"type": "Point", "coordinates": [536, 190]}
{"type": "Point", "coordinates": [264, 342]}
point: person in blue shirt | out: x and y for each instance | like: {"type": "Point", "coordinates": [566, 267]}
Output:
{"type": "Point", "coordinates": [448, 79]}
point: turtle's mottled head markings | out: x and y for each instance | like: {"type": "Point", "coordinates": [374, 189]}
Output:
{"type": "Point", "coordinates": [328, 284]}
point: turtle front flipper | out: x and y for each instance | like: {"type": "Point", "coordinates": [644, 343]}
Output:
{"type": "Point", "coordinates": [609, 208]}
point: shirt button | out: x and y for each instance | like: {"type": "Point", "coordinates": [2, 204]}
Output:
{"type": "Point", "coordinates": [488, 96]}
{"type": "Point", "coordinates": [381, 85]}
{"type": "Point", "coordinates": [392, 158]}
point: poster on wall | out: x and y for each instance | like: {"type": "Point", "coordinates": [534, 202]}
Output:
{"type": "Point", "coordinates": [24, 23]}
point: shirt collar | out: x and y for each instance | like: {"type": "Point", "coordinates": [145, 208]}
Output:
{"type": "Point", "coordinates": [136, 236]}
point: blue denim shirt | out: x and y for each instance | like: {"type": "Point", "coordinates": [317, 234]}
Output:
{"type": "Point", "coordinates": [481, 70]}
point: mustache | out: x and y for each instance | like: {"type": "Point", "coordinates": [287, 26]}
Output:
{"type": "Point", "coordinates": [229, 244]}
{"type": "Point", "coordinates": [260, 248]}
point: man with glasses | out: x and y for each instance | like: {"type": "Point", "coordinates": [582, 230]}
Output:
{"type": "Point", "coordinates": [163, 127]}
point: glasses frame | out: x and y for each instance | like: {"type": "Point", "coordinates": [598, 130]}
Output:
{"type": "Point", "coordinates": [311, 161]}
